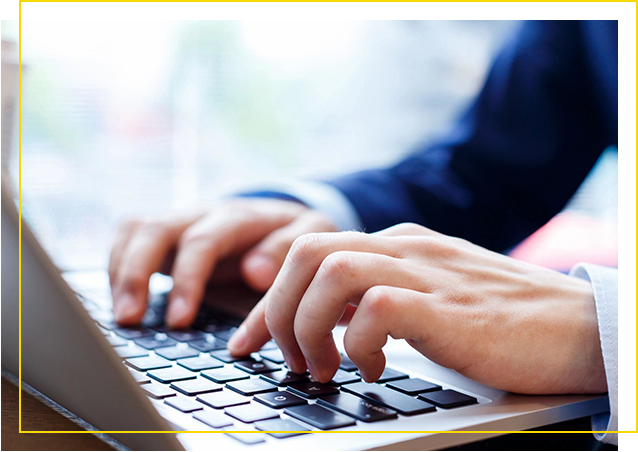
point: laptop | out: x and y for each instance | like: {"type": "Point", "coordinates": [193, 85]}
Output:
{"type": "Point", "coordinates": [151, 379]}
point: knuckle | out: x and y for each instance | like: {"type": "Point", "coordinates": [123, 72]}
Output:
{"type": "Point", "coordinates": [377, 300]}
{"type": "Point", "coordinates": [408, 228]}
{"type": "Point", "coordinates": [305, 247]}
{"type": "Point", "coordinates": [337, 265]}
{"type": "Point", "coordinates": [153, 228]}
{"type": "Point", "coordinates": [194, 237]}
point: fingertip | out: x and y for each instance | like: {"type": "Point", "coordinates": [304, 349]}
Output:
{"type": "Point", "coordinates": [259, 271]}
{"type": "Point", "coordinates": [237, 343]}
{"type": "Point", "coordinates": [180, 313]}
{"type": "Point", "coordinates": [127, 310]}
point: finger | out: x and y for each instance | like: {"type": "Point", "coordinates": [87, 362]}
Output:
{"type": "Point", "coordinates": [201, 248]}
{"type": "Point", "coordinates": [342, 279]}
{"type": "Point", "coordinates": [242, 343]}
{"type": "Point", "coordinates": [298, 270]}
{"type": "Point", "coordinates": [261, 265]}
{"type": "Point", "coordinates": [144, 255]}
{"type": "Point", "coordinates": [388, 311]}
{"type": "Point", "coordinates": [120, 240]}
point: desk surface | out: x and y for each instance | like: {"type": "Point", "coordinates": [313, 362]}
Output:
{"type": "Point", "coordinates": [35, 413]}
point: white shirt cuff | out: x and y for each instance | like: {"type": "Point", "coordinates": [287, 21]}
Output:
{"type": "Point", "coordinates": [604, 281]}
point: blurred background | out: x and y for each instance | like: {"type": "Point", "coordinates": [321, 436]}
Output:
{"type": "Point", "coordinates": [127, 118]}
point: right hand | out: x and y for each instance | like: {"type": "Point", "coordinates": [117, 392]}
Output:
{"type": "Point", "coordinates": [247, 238]}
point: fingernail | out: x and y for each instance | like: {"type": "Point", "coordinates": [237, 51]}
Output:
{"type": "Point", "coordinates": [238, 340]}
{"type": "Point", "coordinates": [125, 309]}
{"type": "Point", "coordinates": [177, 312]}
{"type": "Point", "coordinates": [262, 265]}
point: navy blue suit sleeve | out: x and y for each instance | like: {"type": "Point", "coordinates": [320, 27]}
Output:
{"type": "Point", "coordinates": [513, 159]}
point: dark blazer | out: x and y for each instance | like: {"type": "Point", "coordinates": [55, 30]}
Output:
{"type": "Point", "coordinates": [548, 109]}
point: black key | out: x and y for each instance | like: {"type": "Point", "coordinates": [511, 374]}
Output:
{"type": "Point", "coordinates": [283, 378]}
{"type": "Point", "coordinates": [247, 438]}
{"type": "Point", "coordinates": [319, 417]}
{"type": "Point", "coordinates": [140, 377]}
{"type": "Point", "coordinates": [224, 334]}
{"type": "Point", "coordinates": [251, 387]}
{"type": "Point", "coordinates": [115, 341]}
{"type": "Point", "coordinates": [171, 374]}
{"type": "Point", "coordinates": [389, 375]}
{"type": "Point", "coordinates": [448, 398]}
{"type": "Point", "coordinates": [157, 391]}
{"type": "Point", "coordinates": [342, 377]}
{"type": "Point", "coordinates": [272, 355]}
{"type": "Point", "coordinates": [151, 343]}
{"type": "Point", "coordinates": [131, 352]}
{"type": "Point", "coordinates": [395, 400]}
{"type": "Point", "coordinates": [196, 386]}
{"type": "Point", "coordinates": [279, 399]}
{"type": "Point", "coordinates": [174, 353]}
{"type": "Point", "coordinates": [148, 363]}
{"type": "Point", "coordinates": [184, 404]}
{"type": "Point", "coordinates": [222, 399]}
{"type": "Point", "coordinates": [224, 355]}
{"type": "Point", "coordinates": [185, 335]}
{"type": "Point", "coordinates": [134, 332]}
{"type": "Point", "coordinates": [251, 413]}
{"type": "Point", "coordinates": [198, 363]}
{"type": "Point", "coordinates": [312, 389]}
{"type": "Point", "coordinates": [282, 425]}
{"type": "Point", "coordinates": [256, 367]}
{"type": "Point", "coordinates": [213, 419]}
{"type": "Point", "coordinates": [357, 408]}
{"type": "Point", "coordinates": [347, 364]}
{"type": "Point", "coordinates": [208, 345]}
{"type": "Point", "coordinates": [413, 386]}
{"type": "Point", "coordinates": [225, 374]}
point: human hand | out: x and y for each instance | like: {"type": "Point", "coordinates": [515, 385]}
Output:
{"type": "Point", "coordinates": [243, 238]}
{"type": "Point", "coordinates": [502, 322]}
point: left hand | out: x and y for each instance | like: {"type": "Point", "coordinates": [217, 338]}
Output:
{"type": "Point", "coordinates": [502, 322]}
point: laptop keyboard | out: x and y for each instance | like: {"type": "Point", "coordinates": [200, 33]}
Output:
{"type": "Point", "coordinates": [192, 372]}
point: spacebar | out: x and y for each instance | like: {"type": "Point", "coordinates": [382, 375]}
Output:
{"type": "Point", "coordinates": [390, 398]}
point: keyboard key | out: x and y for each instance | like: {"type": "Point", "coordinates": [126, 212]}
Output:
{"type": "Point", "coordinates": [140, 377]}
{"type": "Point", "coordinates": [283, 378]}
{"type": "Point", "coordinates": [342, 377]}
{"type": "Point", "coordinates": [224, 334]}
{"type": "Point", "coordinates": [312, 389]}
{"type": "Point", "coordinates": [134, 332]}
{"type": "Point", "coordinates": [279, 399]}
{"type": "Point", "coordinates": [184, 404]}
{"type": "Point", "coordinates": [272, 355]}
{"type": "Point", "coordinates": [222, 399]}
{"type": "Point", "coordinates": [357, 408]}
{"type": "Point", "coordinates": [247, 438]}
{"type": "Point", "coordinates": [347, 364]}
{"type": "Point", "coordinates": [448, 398]}
{"type": "Point", "coordinates": [131, 352]}
{"type": "Point", "coordinates": [196, 386]}
{"type": "Point", "coordinates": [213, 419]}
{"type": "Point", "coordinates": [270, 345]}
{"type": "Point", "coordinates": [185, 335]}
{"type": "Point", "coordinates": [390, 375]}
{"type": "Point", "coordinates": [173, 353]}
{"type": "Point", "coordinates": [225, 374]}
{"type": "Point", "coordinates": [225, 356]}
{"type": "Point", "coordinates": [395, 400]}
{"type": "Point", "coordinates": [251, 387]}
{"type": "Point", "coordinates": [413, 386]}
{"type": "Point", "coordinates": [116, 341]}
{"type": "Point", "coordinates": [208, 345]}
{"type": "Point", "coordinates": [151, 343]}
{"type": "Point", "coordinates": [158, 391]}
{"type": "Point", "coordinates": [148, 363]}
{"type": "Point", "coordinates": [171, 374]}
{"type": "Point", "coordinates": [319, 417]}
{"type": "Point", "coordinates": [198, 363]}
{"type": "Point", "coordinates": [281, 425]}
{"type": "Point", "coordinates": [251, 413]}
{"type": "Point", "coordinates": [256, 367]}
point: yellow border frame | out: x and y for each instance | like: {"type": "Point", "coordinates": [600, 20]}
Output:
{"type": "Point", "coordinates": [77, 10]}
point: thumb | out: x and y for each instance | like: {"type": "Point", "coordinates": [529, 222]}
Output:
{"type": "Point", "coordinates": [252, 333]}
{"type": "Point", "coordinates": [260, 265]}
